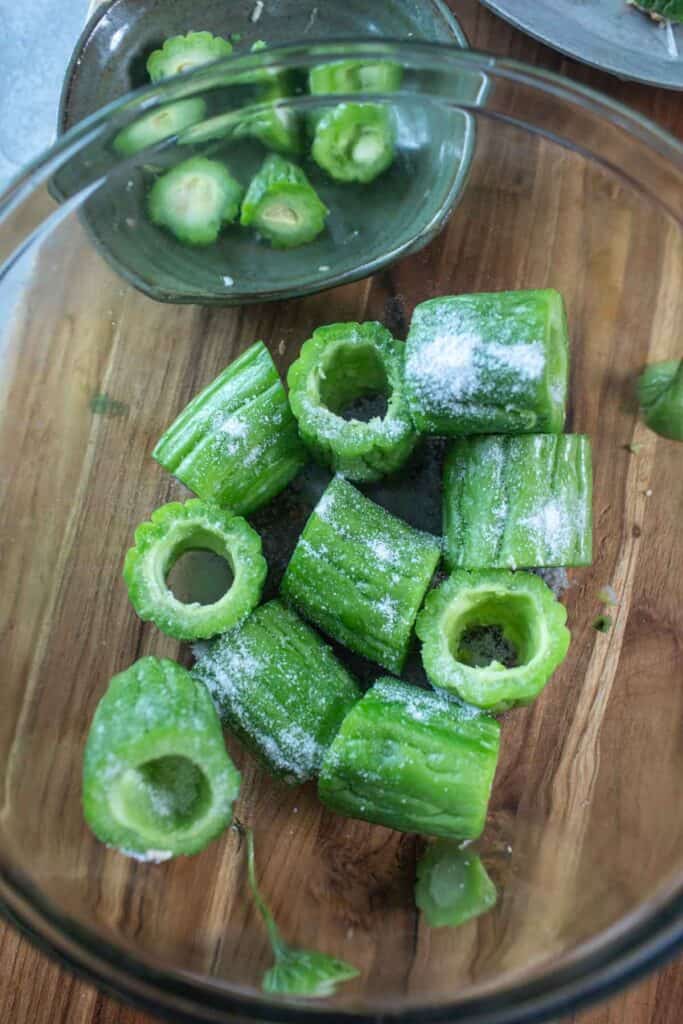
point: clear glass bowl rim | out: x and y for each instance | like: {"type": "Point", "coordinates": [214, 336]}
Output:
{"type": "Point", "coordinates": [632, 946]}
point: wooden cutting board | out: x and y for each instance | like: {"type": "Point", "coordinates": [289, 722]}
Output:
{"type": "Point", "coordinates": [34, 990]}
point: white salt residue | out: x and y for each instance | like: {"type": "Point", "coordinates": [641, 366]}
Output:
{"type": "Point", "coordinates": [548, 520]}
{"type": "Point", "coordinates": [458, 352]}
{"type": "Point", "coordinates": [325, 506]}
{"type": "Point", "coordinates": [550, 528]}
{"type": "Point", "coordinates": [229, 433]}
{"type": "Point", "coordinates": [445, 354]}
{"type": "Point", "coordinates": [199, 648]}
{"type": "Point", "coordinates": [293, 751]}
{"type": "Point", "coordinates": [608, 595]}
{"type": "Point", "coordinates": [389, 610]}
{"type": "Point", "coordinates": [255, 454]}
{"type": "Point", "coordinates": [558, 392]}
{"type": "Point", "coordinates": [454, 368]}
{"type": "Point", "coordinates": [233, 426]}
{"type": "Point", "coordinates": [148, 857]}
{"type": "Point", "coordinates": [306, 546]}
{"type": "Point", "coordinates": [248, 685]}
{"type": "Point", "coordinates": [382, 551]}
{"type": "Point", "coordinates": [393, 428]}
{"type": "Point", "coordinates": [527, 360]}
{"type": "Point", "coordinates": [421, 705]}
{"type": "Point", "coordinates": [556, 579]}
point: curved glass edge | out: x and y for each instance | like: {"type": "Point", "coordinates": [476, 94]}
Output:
{"type": "Point", "coordinates": [615, 149]}
{"type": "Point", "coordinates": [422, 55]}
{"type": "Point", "coordinates": [596, 975]}
{"type": "Point", "coordinates": [102, 9]}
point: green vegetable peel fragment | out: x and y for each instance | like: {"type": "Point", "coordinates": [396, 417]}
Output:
{"type": "Point", "coordinates": [157, 780]}
{"type": "Point", "coordinates": [414, 761]}
{"type": "Point", "coordinates": [194, 526]}
{"type": "Point", "coordinates": [279, 688]}
{"type": "Point", "coordinates": [338, 365]}
{"type": "Point", "coordinates": [360, 574]}
{"type": "Point", "coordinates": [184, 53]}
{"type": "Point", "coordinates": [518, 502]}
{"type": "Point", "coordinates": [237, 442]}
{"type": "Point", "coordinates": [282, 205]}
{"type": "Point", "coordinates": [488, 364]}
{"type": "Point", "coordinates": [296, 972]}
{"type": "Point", "coordinates": [526, 614]}
{"type": "Point", "coordinates": [452, 885]}
{"type": "Point", "coordinates": [194, 200]}
{"type": "Point", "coordinates": [660, 393]}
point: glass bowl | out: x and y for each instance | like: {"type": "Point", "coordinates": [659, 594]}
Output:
{"type": "Point", "coordinates": [584, 838]}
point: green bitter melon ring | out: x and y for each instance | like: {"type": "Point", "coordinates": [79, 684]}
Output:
{"type": "Point", "coordinates": [157, 779]}
{"type": "Point", "coordinates": [184, 53]}
{"type": "Point", "coordinates": [196, 525]}
{"type": "Point", "coordinates": [339, 364]}
{"type": "Point", "coordinates": [475, 619]}
{"type": "Point", "coordinates": [195, 200]}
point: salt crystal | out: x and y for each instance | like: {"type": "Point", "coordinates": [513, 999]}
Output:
{"type": "Point", "coordinates": [149, 856]}
{"type": "Point", "coordinates": [233, 426]}
{"type": "Point", "coordinates": [389, 610]}
{"type": "Point", "coordinates": [381, 550]}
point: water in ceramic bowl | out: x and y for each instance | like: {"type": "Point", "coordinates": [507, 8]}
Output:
{"type": "Point", "coordinates": [368, 225]}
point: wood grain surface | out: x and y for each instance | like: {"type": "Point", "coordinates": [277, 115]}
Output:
{"type": "Point", "coordinates": [34, 990]}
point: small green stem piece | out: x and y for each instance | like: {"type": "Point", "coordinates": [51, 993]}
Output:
{"type": "Point", "coordinates": [296, 972]}
{"type": "Point", "coordinates": [278, 945]}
